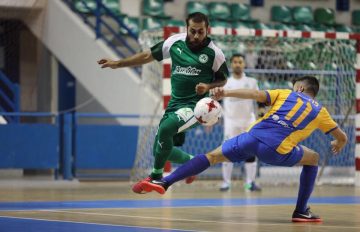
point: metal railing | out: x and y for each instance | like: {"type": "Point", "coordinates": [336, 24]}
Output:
{"type": "Point", "coordinates": [98, 12]}
{"type": "Point", "coordinates": [9, 98]}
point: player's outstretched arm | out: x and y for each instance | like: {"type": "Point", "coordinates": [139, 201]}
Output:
{"type": "Point", "coordinates": [258, 95]}
{"type": "Point", "coordinates": [340, 140]}
{"type": "Point", "coordinates": [203, 88]}
{"type": "Point", "coordinates": [135, 60]}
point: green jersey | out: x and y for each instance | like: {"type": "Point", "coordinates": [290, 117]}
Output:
{"type": "Point", "coordinates": [189, 68]}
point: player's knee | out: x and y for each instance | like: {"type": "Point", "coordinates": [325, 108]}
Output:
{"type": "Point", "coordinates": [315, 157]}
{"type": "Point", "coordinates": [166, 131]}
{"type": "Point", "coordinates": [215, 158]}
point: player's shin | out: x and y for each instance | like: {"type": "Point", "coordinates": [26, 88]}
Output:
{"type": "Point", "coordinates": [191, 168]}
{"type": "Point", "coordinates": [178, 156]}
{"type": "Point", "coordinates": [307, 181]}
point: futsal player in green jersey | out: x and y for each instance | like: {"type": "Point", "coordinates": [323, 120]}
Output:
{"type": "Point", "coordinates": [274, 139]}
{"type": "Point", "coordinates": [198, 65]}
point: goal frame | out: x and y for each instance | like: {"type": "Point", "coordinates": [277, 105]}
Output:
{"type": "Point", "coordinates": [166, 92]}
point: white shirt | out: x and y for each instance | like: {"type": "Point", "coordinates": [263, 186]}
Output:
{"type": "Point", "coordinates": [238, 112]}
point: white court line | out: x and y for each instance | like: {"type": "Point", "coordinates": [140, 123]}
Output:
{"type": "Point", "coordinates": [166, 207]}
{"type": "Point", "coordinates": [92, 223]}
{"type": "Point", "coordinates": [201, 221]}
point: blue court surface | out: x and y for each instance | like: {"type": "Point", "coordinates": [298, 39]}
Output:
{"type": "Point", "coordinates": [28, 224]}
{"type": "Point", "coordinates": [137, 204]}
{"type": "Point", "coordinates": [9, 224]}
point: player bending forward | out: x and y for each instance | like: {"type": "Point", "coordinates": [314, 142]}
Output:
{"type": "Point", "coordinates": [274, 139]}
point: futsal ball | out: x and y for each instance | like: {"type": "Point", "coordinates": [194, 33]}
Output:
{"type": "Point", "coordinates": [208, 111]}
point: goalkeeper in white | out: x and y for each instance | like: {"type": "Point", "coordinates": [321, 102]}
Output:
{"type": "Point", "coordinates": [239, 114]}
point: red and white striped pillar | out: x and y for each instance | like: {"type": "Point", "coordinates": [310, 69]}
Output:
{"type": "Point", "coordinates": [357, 120]}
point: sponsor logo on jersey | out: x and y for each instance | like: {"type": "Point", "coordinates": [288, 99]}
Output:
{"type": "Point", "coordinates": [203, 58]}
{"type": "Point", "coordinates": [276, 118]}
{"type": "Point", "coordinates": [188, 71]}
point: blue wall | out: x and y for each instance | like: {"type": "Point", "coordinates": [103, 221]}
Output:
{"type": "Point", "coordinates": [67, 146]}
{"type": "Point", "coordinates": [29, 146]}
{"type": "Point", "coordinates": [105, 147]}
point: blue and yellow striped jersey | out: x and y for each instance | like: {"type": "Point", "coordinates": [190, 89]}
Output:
{"type": "Point", "coordinates": [293, 116]}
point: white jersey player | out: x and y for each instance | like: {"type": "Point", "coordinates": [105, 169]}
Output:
{"type": "Point", "coordinates": [239, 114]}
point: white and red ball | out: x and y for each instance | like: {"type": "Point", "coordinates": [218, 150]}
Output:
{"type": "Point", "coordinates": [208, 111]}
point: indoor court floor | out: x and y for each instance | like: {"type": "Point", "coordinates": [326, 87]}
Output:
{"type": "Point", "coordinates": [72, 206]}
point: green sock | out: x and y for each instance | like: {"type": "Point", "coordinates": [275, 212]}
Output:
{"type": "Point", "coordinates": [179, 156]}
{"type": "Point", "coordinates": [157, 173]}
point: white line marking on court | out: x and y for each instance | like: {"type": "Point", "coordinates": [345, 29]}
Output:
{"type": "Point", "coordinates": [92, 223]}
{"type": "Point", "coordinates": [165, 207]}
{"type": "Point", "coordinates": [201, 221]}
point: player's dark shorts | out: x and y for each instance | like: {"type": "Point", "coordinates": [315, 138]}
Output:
{"type": "Point", "coordinates": [245, 146]}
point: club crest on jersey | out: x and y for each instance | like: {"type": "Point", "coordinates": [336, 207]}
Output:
{"type": "Point", "coordinates": [203, 58]}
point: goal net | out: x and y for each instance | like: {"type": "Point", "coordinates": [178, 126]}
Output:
{"type": "Point", "coordinates": [274, 58]}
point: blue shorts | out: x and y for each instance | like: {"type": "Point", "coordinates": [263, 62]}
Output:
{"type": "Point", "coordinates": [245, 146]}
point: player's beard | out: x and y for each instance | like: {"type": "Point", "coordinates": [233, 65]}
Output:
{"type": "Point", "coordinates": [238, 71]}
{"type": "Point", "coordinates": [196, 46]}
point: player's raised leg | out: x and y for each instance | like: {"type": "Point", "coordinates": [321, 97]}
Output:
{"type": "Point", "coordinates": [164, 148]}
{"type": "Point", "coordinates": [231, 150]}
{"type": "Point", "coordinates": [191, 168]}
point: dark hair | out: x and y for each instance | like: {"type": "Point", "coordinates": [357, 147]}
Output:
{"type": "Point", "coordinates": [312, 84]}
{"type": "Point", "coordinates": [236, 55]}
{"type": "Point", "coordinates": [197, 17]}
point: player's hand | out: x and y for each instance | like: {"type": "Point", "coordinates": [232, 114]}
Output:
{"type": "Point", "coordinates": [202, 88]}
{"type": "Point", "coordinates": [336, 146]}
{"type": "Point", "coordinates": [261, 112]}
{"type": "Point", "coordinates": [217, 93]}
{"type": "Point", "coordinates": [108, 63]}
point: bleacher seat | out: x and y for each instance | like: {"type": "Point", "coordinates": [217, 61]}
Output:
{"type": "Point", "coordinates": [85, 6]}
{"type": "Point", "coordinates": [192, 7]}
{"type": "Point", "coordinates": [175, 23]}
{"type": "Point", "coordinates": [323, 27]}
{"type": "Point", "coordinates": [219, 10]}
{"type": "Point", "coordinates": [302, 14]}
{"type": "Point", "coordinates": [133, 23]}
{"type": "Point", "coordinates": [324, 16]}
{"type": "Point", "coordinates": [154, 8]}
{"type": "Point", "coordinates": [356, 29]}
{"type": "Point", "coordinates": [114, 7]}
{"type": "Point", "coordinates": [262, 26]}
{"type": "Point", "coordinates": [219, 23]}
{"type": "Point", "coordinates": [343, 28]}
{"type": "Point", "coordinates": [355, 19]}
{"type": "Point", "coordinates": [303, 27]}
{"type": "Point", "coordinates": [242, 25]}
{"type": "Point", "coordinates": [240, 11]}
{"type": "Point", "coordinates": [281, 14]}
{"type": "Point", "coordinates": [282, 26]}
{"type": "Point", "coordinates": [152, 23]}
